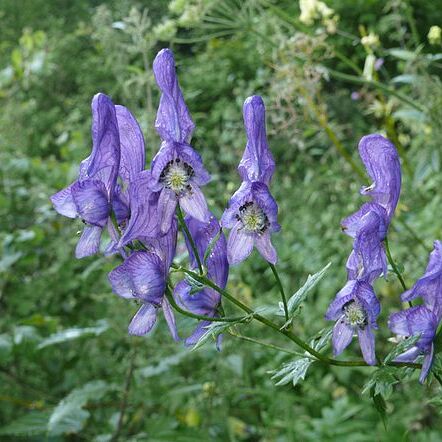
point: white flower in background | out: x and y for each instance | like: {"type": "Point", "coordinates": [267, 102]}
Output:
{"type": "Point", "coordinates": [312, 10]}
{"type": "Point", "coordinates": [371, 40]}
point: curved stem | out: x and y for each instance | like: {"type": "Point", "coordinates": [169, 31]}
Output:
{"type": "Point", "coordinates": [281, 290]}
{"type": "Point", "coordinates": [298, 341]}
{"type": "Point", "coordinates": [173, 303]}
{"type": "Point", "coordinates": [394, 267]}
{"type": "Point", "coordinates": [186, 232]}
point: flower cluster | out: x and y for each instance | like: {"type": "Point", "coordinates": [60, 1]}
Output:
{"type": "Point", "coordinates": [141, 209]}
{"type": "Point", "coordinates": [356, 308]}
{"type": "Point", "coordinates": [422, 320]}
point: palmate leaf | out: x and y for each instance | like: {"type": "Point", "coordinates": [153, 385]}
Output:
{"type": "Point", "coordinates": [295, 301]}
{"type": "Point", "coordinates": [382, 381]}
{"type": "Point", "coordinates": [293, 371]}
{"type": "Point", "coordinates": [74, 333]}
{"type": "Point", "coordinates": [212, 332]}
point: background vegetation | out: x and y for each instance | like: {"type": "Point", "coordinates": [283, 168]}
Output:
{"type": "Point", "coordinates": [328, 75]}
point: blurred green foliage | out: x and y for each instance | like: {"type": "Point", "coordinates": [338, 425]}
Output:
{"type": "Point", "coordinates": [67, 366]}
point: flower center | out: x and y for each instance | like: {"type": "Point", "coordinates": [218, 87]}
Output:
{"type": "Point", "coordinates": [253, 218]}
{"type": "Point", "coordinates": [176, 175]}
{"type": "Point", "coordinates": [354, 314]}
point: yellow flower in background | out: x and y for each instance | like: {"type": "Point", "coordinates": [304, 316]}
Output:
{"type": "Point", "coordinates": [434, 35]}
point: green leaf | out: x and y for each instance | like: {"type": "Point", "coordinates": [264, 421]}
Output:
{"type": "Point", "coordinates": [293, 371]}
{"type": "Point", "coordinates": [402, 347]}
{"type": "Point", "coordinates": [164, 365]}
{"type": "Point", "coordinates": [211, 246]}
{"type": "Point", "coordinates": [380, 406]}
{"type": "Point", "coordinates": [381, 382]}
{"type": "Point", "coordinates": [69, 415]}
{"type": "Point", "coordinates": [410, 115]}
{"type": "Point", "coordinates": [212, 331]}
{"type": "Point", "coordinates": [70, 334]}
{"type": "Point", "coordinates": [405, 79]}
{"type": "Point", "coordinates": [31, 424]}
{"type": "Point", "coordinates": [402, 54]}
{"type": "Point", "coordinates": [322, 338]}
{"type": "Point", "coordinates": [295, 301]}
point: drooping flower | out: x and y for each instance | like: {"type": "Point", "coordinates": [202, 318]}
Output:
{"type": "Point", "coordinates": [422, 319]}
{"type": "Point", "coordinates": [205, 301]}
{"type": "Point", "coordinates": [177, 170]}
{"type": "Point", "coordinates": [252, 211]}
{"type": "Point", "coordinates": [418, 320]}
{"type": "Point", "coordinates": [429, 286]}
{"type": "Point", "coordinates": [143, 276]}
{"type": "Point", "coordinates": [382, 163]}
{"type": "Point", "coordinates": [355, 310]}
{"type": "Point", "coordinates": [91, 196]}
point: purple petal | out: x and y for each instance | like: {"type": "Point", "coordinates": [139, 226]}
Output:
{"type": "Point", "coordinates": [167, 203]}
{"type": "Point", "coordinates": [105, 153]}
{"type": "Point", "coordinates": [165, 246]}
{"type": "Point", "coordinates": [342, 336]}
{"type": "Point", "coordinates": [257, 163]}
{"type": "Point", "coordinates": [143, 321]}
{"type": "Point", "coordinates": [197, 334]}
{"type": "Point", "coordinates": [121, 282]}
{"type": "Point", "coordinates": [131, 143]}
{"type": "Point", "coordinates": [195, 205]}
{"type": "Point", "coordinates": [64, 202]}
{"type": "Point", "coordinates": [382, 163]}
{"type": "Point", "coordinates": [263, 197]}
{"type": "Point", "coordinates": [120, 205]}
{"type": "Point", "coordinates": [239, 245]}
{"type": "Point", "coordinates": [398, 323]}
{"type": "Point", "coordinates": [170, 319]}
{"type": "Point", "coordinates": [91, 200]}
{"type": "Point", "coordinates": [89, 243]}
{"type": "Point", "coordinates": [353, 223]}
{"type": "Point", "coordinates": [408, 356]}
{"type": "Point", "coordinates": [366, 341]}
{"type": "Point", "coordinates": [265, 248]}
{"type": "Point", "coordinates": [426, 366]}
{"type": "Point", "coordinates": [173, 120]}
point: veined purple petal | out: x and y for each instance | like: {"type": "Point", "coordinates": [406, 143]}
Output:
{"type": "Point", "coordinates": [170, 319]}
{"type": "Point", "coordinates": [408, 356]}
{"type": "Point", "coordinates": [91, 200]}
{"type": "Point", "coordinates": [353, 223]}
{"type": "Point", "coordinates": [366, 342]}
{"type": "Point", "coordinates": [142, 276]}
{"type": "Point", "coordinates": [120, 205]}
{"type": "Point", "coordinates": [194, 204]}
{"type": "Point", "coordinates": [64, 202]}
{"type": "Point", "coordinates": [132, 157]}
{"type": "Point", "coordinates": [257, 163]}
{"type": "Point", "coordinates": [429, 286]}
{"type": "Point", "coordinates": [143, 321]}
{"type": "Point", "coordinates": [342, 336]}
{"type": "Point", "coordinates": [263, 197]}
{"type": "Point", "coordinates": [173, 120]}
{"type": "Point", "coordinates": [239, 245]}
{"type": "Point", "coordinates": [203, 302]}
{"type": "Point", "coordinates": [426, 366]}
{"type": "Point", "coordinates": [265, 248]}
{"type": "Point", "coordinates": [105, 153]}
{"type": "Point", "coordinates": [89, 243]}
{"type": "Point", "coordinates": [167, 203]}
{"type": "Point", "coordinates": [143, 221]}
{"type": "Point", "coordinates": [381, 160]}
{"type": "Point", "coordinates": [196, 335]}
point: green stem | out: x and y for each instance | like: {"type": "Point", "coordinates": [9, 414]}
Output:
{"type": "Point", "coordinates": [281, 290]}
{"type": "Point", "coordinates": [298, 341]}
{"type": "Point", "coordinates": [376, 84]}
{"type": "Point", "coordinates": [393, 264]}
{"type": "Point", "coordinates": [186, 232]}
{"type": "Point", "coordinates": [172, 302]}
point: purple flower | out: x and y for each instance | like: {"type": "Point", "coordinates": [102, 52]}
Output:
{"type": "Point", "coordinates": [421, 321]}
{"type": "Point", "coordinates": [205, 301]}
{"type": "Point", "coordinates": [355, 310]}
{"type": "Point", "coordinates": [381, 160]}
{"type": "Point", "coordinates": [143, 276]}
{"type": "Point", "coordinates": [378, 64]}
{"type": "Point", "coordinates": [91, 196]}
{"type": "Point", "coordinates": [429, 286]}
{"type": "Point", "coordinates": [252, 211]}
{"type": "Point", "coordinates": [177, 170]}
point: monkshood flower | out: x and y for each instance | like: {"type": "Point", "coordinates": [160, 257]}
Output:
{"type": "Point", "coordinates": [429, 287]}
{"type": "Point", "coordinates": [418, 320]}
{"type": "Point", "coordinates": [142, 276]}
{"type": "Point", "coordinates": [423, 319]}
{"type": "Point", "coordinates": [355, 310]}
{"type": "Point", "coordinates": [252, 211]}
{"type": "Point", "coordinates": [90, 197]}
{"type": "Point", "coordinates": [177, 170]}
{"type": "Point", "coordinates": [205, 301]}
